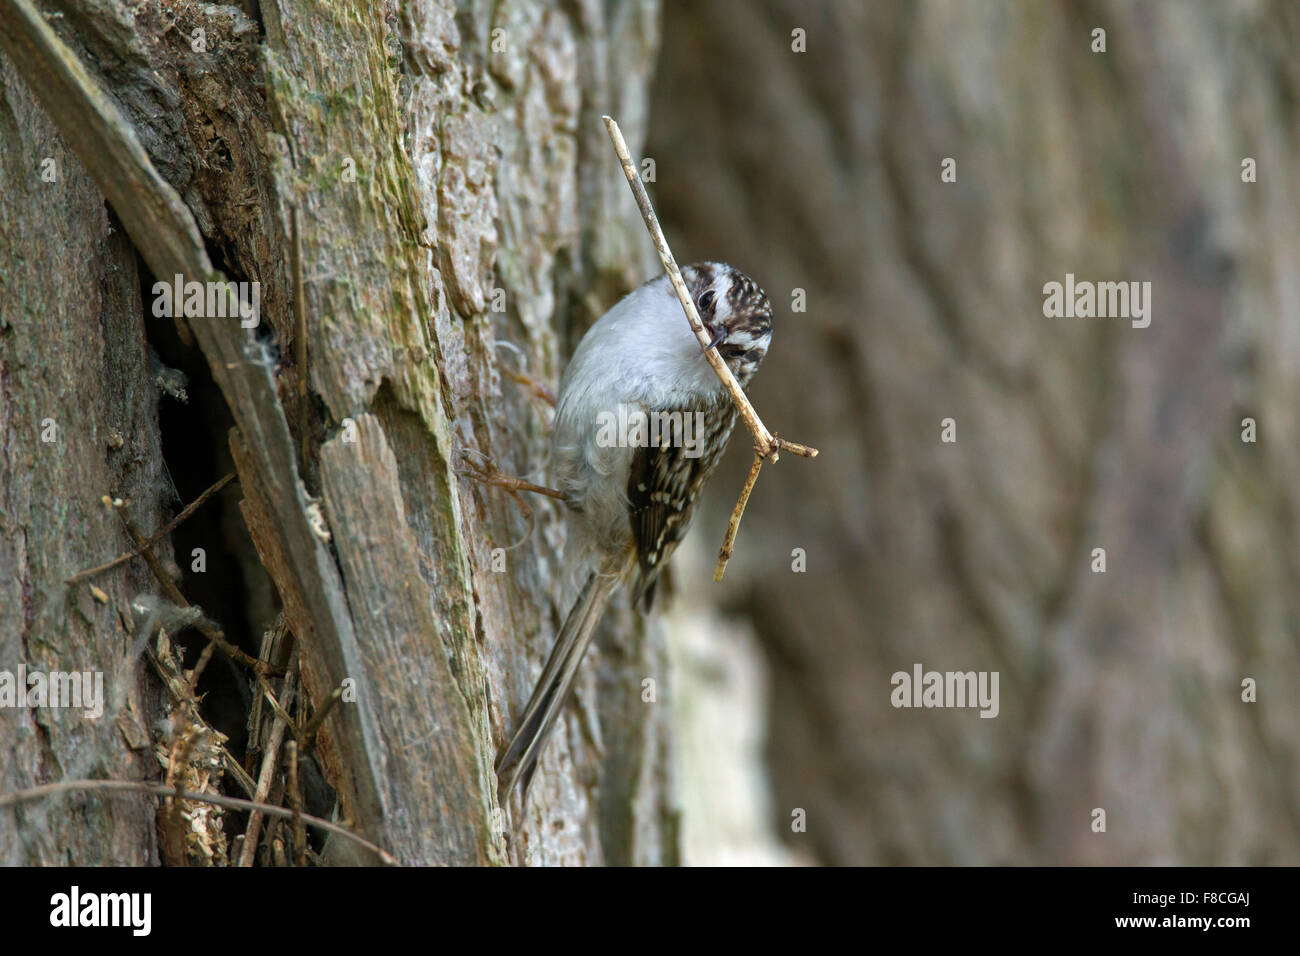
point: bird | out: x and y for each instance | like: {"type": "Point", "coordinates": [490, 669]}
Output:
{"type": "Point", "coordinates": [630, 494]}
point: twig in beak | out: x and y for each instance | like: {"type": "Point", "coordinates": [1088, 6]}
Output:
{"type": "Point", "coordinates": [717, 337]}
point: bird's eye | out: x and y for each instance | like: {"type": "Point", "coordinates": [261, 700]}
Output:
{"type": "Point", "coordinates": [705, 300]}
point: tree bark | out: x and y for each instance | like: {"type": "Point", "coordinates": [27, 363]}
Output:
{"type": "Point", "coordinates": [429, 185]}
{"type": "Point", "coordinates": [1121, 690]}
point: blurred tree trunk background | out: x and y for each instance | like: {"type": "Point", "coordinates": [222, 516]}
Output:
{"type": "Point", "coordinates": [1121, 690]}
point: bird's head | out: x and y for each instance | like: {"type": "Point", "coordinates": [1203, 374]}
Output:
{"type": "Point", "coordinates": [736, 313]}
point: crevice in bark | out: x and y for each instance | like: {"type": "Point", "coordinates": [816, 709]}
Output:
{"type": "Point", "coordinates": [233, 588]}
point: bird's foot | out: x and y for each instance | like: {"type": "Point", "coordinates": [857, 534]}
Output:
{"type": "Point", "coordinates": [476, 465]}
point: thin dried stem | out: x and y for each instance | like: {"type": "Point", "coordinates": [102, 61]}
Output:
{"type": "Point", "coordinates": [161, 533]}
{"type": "Point", "coordinates": [307, 736]}
{"type": "Point", "coordinates": [295, 802]}
{"type": "Point", "coordinates": [729, 542]}
{"type": "Point", "coordinates": [231, 803]}
{"type": "Point", "coordinates": [215, 635]}
{"type": "Point", "coordinates": [767, 447]}
{"type": "Point", "coordinates": [270, 757]}
{"type": "Point", "coordinates": [762, 437]}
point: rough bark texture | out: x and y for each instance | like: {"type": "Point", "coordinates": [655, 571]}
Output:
{"type": "Point", "coordinates": [74, 369]}
{"type": "Point", "coordinates": [456, 212]}
{"type": "Point", "coordinates": [1121, 690]}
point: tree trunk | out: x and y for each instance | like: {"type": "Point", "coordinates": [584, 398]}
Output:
{"type": "Point", "coordinates": [426, 197]}
{"type": "Point", "coordinates": [1120, 691]}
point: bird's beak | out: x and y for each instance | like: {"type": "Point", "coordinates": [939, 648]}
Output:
{"type": "Point", "coordinates": [717, 337]}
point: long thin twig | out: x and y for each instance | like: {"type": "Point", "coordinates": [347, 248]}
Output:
{"type": "Point", "coordinates": [231, 803]}
{"type": "Point", "coordinates": [729, 542]}
{"type": "Point", "coordinates": [174, 594]}
{"type": "Point", "coordinates": [270, 757]}
{"type": "Point", "coordinates": [295, 802]}
{"type": "Point", "coordinates": [158, 535]}
{"type": "Point", "coordinates": [767, 447]}
{"type": "Point", "coordinates": [307, 735]}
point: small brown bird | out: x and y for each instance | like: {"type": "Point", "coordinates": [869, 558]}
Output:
{"type": "Point", "coordinates": [631, 501]}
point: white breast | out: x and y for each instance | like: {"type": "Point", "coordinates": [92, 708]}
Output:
{"type": "Point", "coordinates": [642, 354]}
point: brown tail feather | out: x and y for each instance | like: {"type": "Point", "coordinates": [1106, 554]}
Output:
{"type": "Point", "coordinates": [519, 760]}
